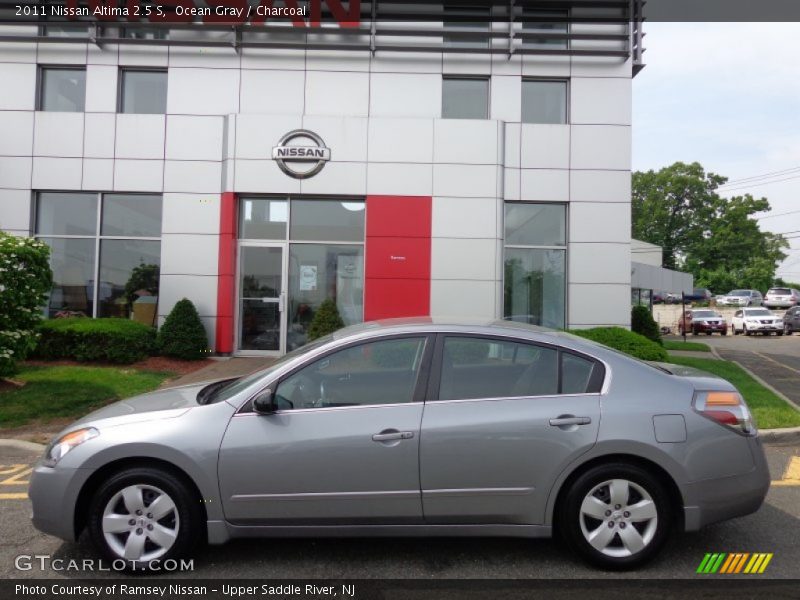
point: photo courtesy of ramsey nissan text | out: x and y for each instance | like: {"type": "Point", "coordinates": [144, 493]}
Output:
{"type": "Point", "coordinates": [397, 298]}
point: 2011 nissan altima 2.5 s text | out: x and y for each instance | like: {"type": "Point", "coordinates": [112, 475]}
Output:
{"type": "Point", "coordinates": [421, 427]}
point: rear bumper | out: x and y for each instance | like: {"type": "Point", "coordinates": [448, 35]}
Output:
{"type": "Point", "coordinates": [728, 497]}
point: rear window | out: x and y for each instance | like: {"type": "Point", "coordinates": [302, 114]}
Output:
{"type": "Point", "coordinates": [758, 312]}
{"type": "Point", "coordinates": [780, 291]}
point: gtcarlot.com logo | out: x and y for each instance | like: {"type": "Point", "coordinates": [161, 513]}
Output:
{"type": "Point", "coordinates": [735, 562]}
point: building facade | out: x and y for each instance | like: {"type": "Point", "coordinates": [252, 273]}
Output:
{"type": "Point", "coordinates": [465, 166]}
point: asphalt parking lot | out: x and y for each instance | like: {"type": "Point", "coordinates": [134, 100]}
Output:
{"type": "Point", "coordinates": [775, 528]}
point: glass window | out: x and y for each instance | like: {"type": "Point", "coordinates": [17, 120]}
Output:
{"type": "Point", "coordinates": [129, 273]}
{"type": "Point", "coordinates": [145, 33]}
{"type": "Point", "coordinates": [576, 374]}
{"type": "Point", "coordinates": [66, 214]}
{"type": "Point", "coordinates": [544, 21]}
{"type": "Point", "coordinates": [137, 215]}
{"type": "Point", "coordinates": [470, 17]}
{"type": "Point", "coordinates": [65, 31]}
{"type": "Point", "coordinates": [62, 90]}
{"type": "Point", "coordinates": [534, 286]}
{"type": "Point", "coordinates": [544, 102]}
{"type": "Point", "coordinates": [465, 98]}
{"type": "Point", "coordinates": [376, 373]}
{"type": "Point", "coordinates": [72, 263]}
{"type": "Point", "coordinates": [528, 224]}
{"type": "Point", "coordinates": [327, 220]}
{"type": "Point", "coordinates": [143, 92]}
{"type": "Point", "coordinates": [487, 368]}
{"type": "Point", "coordinates": [263, 219]}
{"type": "Point", "coordinates": [318, 272]}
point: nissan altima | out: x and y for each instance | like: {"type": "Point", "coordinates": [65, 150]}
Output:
{"type": "Point", "coordinates": [419, 427]}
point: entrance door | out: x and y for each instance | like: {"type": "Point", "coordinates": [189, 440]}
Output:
{"type": "Point", "coordinates": [262, 298]}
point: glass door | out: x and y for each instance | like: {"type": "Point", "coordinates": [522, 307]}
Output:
{"type": "Point", "coordinates": [261, 315]}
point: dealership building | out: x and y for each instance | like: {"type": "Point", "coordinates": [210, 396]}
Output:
{"type": "Point", "coordinates": [401, 159]}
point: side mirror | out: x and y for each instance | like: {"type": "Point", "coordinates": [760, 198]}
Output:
{"type": "Point", "coordinates": [264, 403]}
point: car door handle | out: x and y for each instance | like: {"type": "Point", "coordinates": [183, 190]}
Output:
{"type": "Point", "coordinates": [392, 435]}
{"type": "Point", "coordinates": [561, 421]}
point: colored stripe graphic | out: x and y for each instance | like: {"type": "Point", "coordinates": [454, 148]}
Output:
{"type": "Point", "coordinates": [735, 562]}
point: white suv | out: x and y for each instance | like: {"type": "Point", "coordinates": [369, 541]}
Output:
{"type": "Point", "coordinates": [756, 320]}
{"type": "Point", "coordinates": [781, 297]}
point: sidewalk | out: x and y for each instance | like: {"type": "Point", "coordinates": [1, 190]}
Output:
{"type": "Point", "coordinates": [222, 369]}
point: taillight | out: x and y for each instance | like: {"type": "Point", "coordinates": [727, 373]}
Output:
{"type": "Point", "coordinates": [726, 408]}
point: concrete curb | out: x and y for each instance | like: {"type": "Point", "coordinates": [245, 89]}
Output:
{"type": "Point", "coordinates": [21, 445]}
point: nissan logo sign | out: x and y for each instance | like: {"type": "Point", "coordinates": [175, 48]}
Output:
{"type": "Point", "coordinates": [292, 158]}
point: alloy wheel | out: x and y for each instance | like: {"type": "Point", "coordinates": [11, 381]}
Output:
{"type": "Point", "coordinates": [140, 523]}
{"type": "Point", "coordinates": [618, 518]}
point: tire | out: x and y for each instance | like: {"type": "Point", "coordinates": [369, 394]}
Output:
{"type": "Point", "coordinates": [724, 332]}
{"type": "Point", "coordinates": [694, 331]}
{"type": "Point", "coordinates": [709, 332]}
{"type": "Point", "coordinates": [176, 533]}
{"type": "Point", "coordinates": [735, 332]}
{"type": "Point", "coordinates": [591, 493]}
{"type": "Point", "coordinates": [787, 330]}
{"type": "Point", "coordinates": [744, 330]}
{"type": "Point", "coordinates": [779, 333]}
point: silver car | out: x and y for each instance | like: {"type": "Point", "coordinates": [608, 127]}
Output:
{"type": "Point", "coordinates": [412, 428]}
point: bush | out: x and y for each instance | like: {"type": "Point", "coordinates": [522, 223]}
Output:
{"type": "Point", "coordinates": [182, 335]}
{"type": "Point", "coordinates": [25, 281]}
{"type": "Point", "coordinates": [118, 341]}
{"type": "Point", "coordinates": [625, 341]}
{"type": "Point", "coordinates": [326, 320]}
{"type": "Point", "coordinates": [643, 323]}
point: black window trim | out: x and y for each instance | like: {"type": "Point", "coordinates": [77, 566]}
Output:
{"type": "Point", "coordinates": [41, 68]}
{"type": "Point", "coordinates": [469, 77]}
{"type": "Point", "coordinates": [121, 84]}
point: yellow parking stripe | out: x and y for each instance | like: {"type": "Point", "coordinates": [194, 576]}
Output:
{"type": "Point", "coordinates": [15, 479]}
{"type": "Point", "coordinates": [10, 469]}
{"type": "Point", "coordinates": [791, 476]}
{"type": "Point", "coordinates": [18, 496]}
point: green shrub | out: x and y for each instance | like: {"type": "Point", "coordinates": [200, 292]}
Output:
{"type": "Point", "coordinates": [25, 280]}
{"type": "Point", "coordinates": [643, 323]}
{"type": "Point", "coordinates": [326, 320]}
{"type": "Point", "coordinates": [625, 341]}
{"type": "Point", "coordinates": [120, 341]}
{"type": "Point", "coordinates": [182, 335]}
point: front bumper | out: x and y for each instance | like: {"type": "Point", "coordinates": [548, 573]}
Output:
{"type": "Point", "coordinates": [764, 326]}
{"type": "Point", "coordinates": [728, 497]}
{"type": "Point", "coordinates": [54, 493]}
{"type": "Point", "coordinates": [705, 327]}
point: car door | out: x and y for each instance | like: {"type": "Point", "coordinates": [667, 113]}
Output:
{"type": "Point", "coordinates": [503, 418]}
{"type": "Point", "coordinates": [343, 446]}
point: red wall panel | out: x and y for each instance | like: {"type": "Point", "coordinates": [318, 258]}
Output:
{"type": "Point", "coordinates": [398, 258]}
{"type": "Point", "coordinates": [226, 281]}
{"type": "Point", "coordinates": [399, 216]}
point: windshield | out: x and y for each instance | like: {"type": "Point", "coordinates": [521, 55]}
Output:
{"type": "Point", "coordinates": [235, 386]}
{"type": "Point", "coordinates": [739, 293]}
{"type": "Point", "coordinates": [705, 314]}
{"type": "Point", "coordinates": [757, 312]}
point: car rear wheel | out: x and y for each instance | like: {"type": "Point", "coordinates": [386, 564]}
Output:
{"type": "Point", "coordinates": [787, 330]}
{"type": "Point", "coordinates": [144, 514]}
{"type": "Point", "coordinates": [616, 516]}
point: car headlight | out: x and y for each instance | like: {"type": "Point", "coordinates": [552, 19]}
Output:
{"type": "Point", "coordinates": [58, 448]}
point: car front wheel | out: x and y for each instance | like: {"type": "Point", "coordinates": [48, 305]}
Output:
{"type": "Point", "coordinates": [787, 330]}
{"type": "Point", "coordinates": [616, 516]}
{"type": "Point", "coordinates": [144, 514]}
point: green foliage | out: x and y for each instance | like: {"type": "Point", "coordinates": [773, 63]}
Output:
{"type": "Point", "coordinates": [143, 277]}
{"type": "Point", "coordinates": [25, 280]}
{"type": "Point", "coordinates": [182, 335]}
{"type": "Point", "coordinates": [685, 346]}
{"type": "Point", "coordinates": [70, 392]}
{"type": "Point", "coordinates": [119, 341]}
{"type": "Point", "coordinates": [326, 320]}
{"type": "Point", "coordinates": [643, 323]}
{"type": "Point", "coordinates": [625, 341]}
{"type": "Point", "coordinates": [717, 239]}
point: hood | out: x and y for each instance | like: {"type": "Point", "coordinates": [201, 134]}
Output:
{"type": "Point", "coordinates": [700, 380]}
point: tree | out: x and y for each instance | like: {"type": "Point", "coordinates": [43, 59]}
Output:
{"type": "Point", "coordinates": [326, 320]}
{"type": "Point", "coordinates": [144, 277]}
{"type": "Point", "coordinates": [716, 239]}
{"type": "Point", "coordinates": [643, 323]}
{"type": "Point", "coordinates": [25, 281]}
{"type": "Point", "coordinates": [182, 335]}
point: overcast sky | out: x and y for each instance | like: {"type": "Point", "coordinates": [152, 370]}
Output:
{"type": "Point", "coordinates": [726, 95]}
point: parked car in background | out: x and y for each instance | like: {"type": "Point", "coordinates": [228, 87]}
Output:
{"type": "Point", "coordinates": [699, 295]}
{"type": "Point", "coordinates": [756, 320]}
{"type": "Point", "coordinates": [791, 320]}
{"type": "Point", "coordinates": [741, 298]}
{"type": "Point", "coordinates": [702, 320]}
{"type": "Point", "coordinates": [781, 297]}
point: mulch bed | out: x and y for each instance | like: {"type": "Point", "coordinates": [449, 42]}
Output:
{"type": "Point", "coordinates": [154, 363]}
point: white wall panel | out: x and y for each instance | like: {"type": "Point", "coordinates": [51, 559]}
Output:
{"type": "Point", "coordinates": [209, 56]}
{"type": "Point", "coordinates": [15, 172]}
{"type": "Point", "coordinates": [600, 186]}
{"type": "Point", "coordinates": [464, 217]}
{"type": "Point", "coordinates": [405, 95]}
{"type": "Point", "coordinates": [469, 181]}
{"type": "Point", "coordinates": [194, 137]}
{"type": "Point", "coordinates": [203, 91]}
{"type": "Point", "coordinates": [189, 254]}
{"type": "Point", "coordinates": [57, 173]}
{"type": "Point", "coordinates": [50, 53]}
{"type": "Point", "coordinates": [599, 263]}
{"type": "Point", "coordinates": [19, 86]}
{"type": "Point", "coordinates": [139, 136]}
{"type": "Point", "coordinates": [545, 66]}
{"type": "Point", "coordinates": [329, 93]}
{"type": "Point", "coordinates": [345, 136]}
{"type": "Point", "coordinates": [511, 134]}
{"type": "Point", "coordinates": [143, 56]}
{"type": "Point", "coordinates": [256, 135]}
{"type": "Point", "coordinates": [401, 140]}
{"type": "Point", "coordinates": [599, 222]}
{"type": "Point", "coordinates": [512, 182]}
{"type": "Point", "coordinates": [506, 99]}
{"type": "Point", "coordinates": [544, 184]}
{"type": "Point", "coordinates": [407, 62]}
{"type": "Point", "coordinates": [600, 100]}
{"type": "Point", "coordinates": [453, 298]}
{"type": "Point", "coordinates": [107, 54]}
{"type": "Point", "coordinates": [473, 259]}
{"type": "Point", "coordinates": [601, 147]}
{"type": "Point", "coordinates": [402, 179]}
{"type": "Point", "coordinates": [191, 213]}
{"type": "Point", "coordinates": [465, 141]}
{"type": "Point", "coordinates": [15, 210]}
{"type": "Point", "coordinates": [138, 175]}
{"type": "Point", "coordinates": [595, 304]}
{"type": "Point", "coordinates": [268, 58]}
{"type": "Point", "coordinates": [263, 177]}
{"type": "Point", "coordinates": [98, 174]}
{"type": "Point", "coordinates": [58, 134]}
{"type": "Point", "coordinates": [337, 178]}
{"type": "Point", "coordinates": [599, 66]}
{"type": "Point", "coordinates": [466, 64]}
{"type": "Point", "coordinates": [201, 290]}
{"type": "Point", "coordinates": [274, 92]}
{"type": "Point", "coordinates": [101, 88]}
{"type": "Point", "coordinates": [16, 133]}
{"type": "Point", "coordinates": [99, 131]}
{"type": "Point", "coordinates": [192, 176]}
{"type": "Point", "coordinates": [18, 52]}
{"type": "Point", "coordinates": [544, 146]}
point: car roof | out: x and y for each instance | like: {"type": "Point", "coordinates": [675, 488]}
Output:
{"type": "Point", "coordinates": [444, 324]}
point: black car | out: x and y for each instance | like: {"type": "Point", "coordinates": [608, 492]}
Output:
{"type": "Point", "coordinates": [791, 320]}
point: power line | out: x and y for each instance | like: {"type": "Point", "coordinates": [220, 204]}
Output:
{"type": "Point", "coordinates": [762, 176]}
{"type": "Point", "coordinates": [747, 186]}
{"type": "Point", "coordinates": [791, 212]}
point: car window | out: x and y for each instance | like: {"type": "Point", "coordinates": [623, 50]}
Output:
{"type": "Point", "coordinates": [738, 313]}
{"type": "Point", "coordinates": [576, 373]}
{"type": "Point", "coordinates": [382, 372]}
{"type": "Point", "coordinates": [758, 312]}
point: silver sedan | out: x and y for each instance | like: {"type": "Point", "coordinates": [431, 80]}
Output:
{"type": "Point", "coordinates": [412, 428]}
